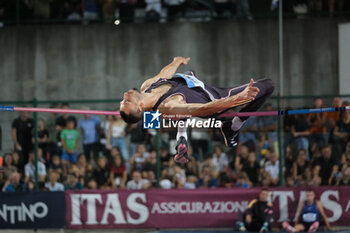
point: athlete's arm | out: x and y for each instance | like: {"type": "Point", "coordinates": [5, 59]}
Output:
{"type": "Point", "coordinates": [249, 212]}
{"type": "Point", "coordinates": [300, 209]}
{"type": "Point", "coordinates": [167, 72]}
{"type": "Point", "coordinates": [323, 214]}
{"type": "Point", "coordinates": [174, 106]}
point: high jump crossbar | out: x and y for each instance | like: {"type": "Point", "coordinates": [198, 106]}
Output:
{"type": "Point", "coordinates": [231, 114]}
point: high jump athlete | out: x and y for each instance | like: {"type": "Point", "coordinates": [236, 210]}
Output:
{"type": "Point", "coordinates": [184, 94]}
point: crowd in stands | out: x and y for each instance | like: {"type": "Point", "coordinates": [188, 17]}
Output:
{"type": "Point", "coordinates": [154, 10]}
{"type": "Point", "coordinates": [95, 153]}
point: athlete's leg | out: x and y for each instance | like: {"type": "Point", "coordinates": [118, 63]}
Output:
{"type": "Point", "coordinates": [230, 128]}
{"type": "Point", "coordinates": [266, 88]}
{"type": "Point", "coordinates": [313, 227]}
{"type": "Point", "coordinates": [181, 132]}
{"type": "Point", "coordinates": [181, 148]}
{"type": "Point", "coordinates": [299, 227]}
{"type": "Point", "coordinates": [288, 227]}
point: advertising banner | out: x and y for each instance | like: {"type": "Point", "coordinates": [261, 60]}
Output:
{"type": "Point", "coordinates": [32, 210]}
{"type": "Point", "coordinates": [156, 208]}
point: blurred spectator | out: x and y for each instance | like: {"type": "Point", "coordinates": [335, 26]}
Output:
{"type": "Point", "coordinates": [139, 158]}
{"type": "Point", "coordinates": [333, 117]}
{"type": "Point", "coordinates": [242, 158]}
{"type": "Point", "coordinates": [15, 184]}
{"type": "Point", "coordinates": [165, 184]}
{"type": "Point", "coordinates": [288, 122]}
{"type": "Point", "coordinates": [153, 10]}
{"type": "Point", "coordinates": [242, 181]}
{"type": "Point", "coordinates": [151, 177]}
{"type": "Point", "coordinates": [327, 166]}
{"type": "Point", "coordinates": [90, 129]}
{"type": "Point", "coordinates": [247, 135]}
{"type": "Point", "coordinates": [56, 165]}
{"type": "Point", "coordinates": [7, 167]}
{"type": "Point", "coordinates": [138, 135]}
{"type": "Point", "coordinates": [127, 10]}
{"type": "Point", "coordinates": [225, 8]}
{"type": "Point", "coordinates": [289, 159]}
{"type": "Point", "coordinates": [43, 139]}
{"type": "Point", "coordinates": [91, 184]}
{"type": "Point", "coordinates": [271, 171]}
{"type": "Point", "coordinates": [175, 8]}
{"type": "Point", "coordinates": [72, 182]}
{"type": "Point", "coordinates": [301, 168]}
{"type": "Point", "coordinates": [29, 170]}
{"type": "Point", "coordinates": [22, 135]}
{"type": "Point", "coordinates": [116, 136]}
{"type": "Point", "coordinates": [342, 132]}
{"type": "Point", "coordinates": [118, 174]}
{"type": "Point", "coordinates": [42, 9]}
{"type": "Point", "coordinates": [70, 143]}
{"type": "Point", "coordinates": [301, 131]}
{"type": "Point", "coordinates": [220, 160]}
{"type": "Point", "coordinates": [16, 161]}
{"type": "Point", "coordinates": [252, 168]}
{"type": "Point", "coordinates": [53, 184]}
{"type": "Point", "coordinates": [199, 142]}
{"type": "Point", "coordinates": [207, 179]}
{"type": "Point", "coordinates": [264, 144]}
{"type": "Point", "coordinates": [26, 8]}
{"type": "Point", "coordinates": [108, 9]}
{"type": "Point", "coordinates": [345, 178]}
{"type": "Point", "coordinates": [315, 177]}
{"type": "Point", "coordinates": [165, 180]}
{"type": "Point", "coordinates": [82, 169]}
{"type": "Point", "coordinates": [61, 121]}
{"type": "Point", "coordinates": [114, 152]}
{"type": "Point", "coordinates": [318, 124]}
{"type": "Point", "coordinates": [151, 162]}
{"type": "Point", "coordinates": [164, 157]}
{"type": "Point", "coordinates": [91, 9]}
{"type": "Point", "coordinates": [243, 9]}
{"type": "Point", "coordinates": [191, 182]}
{"type": "Point", "coordinates": [300, 7]}
{"type": "Point", "coordinates": [72, 9]}
{"type": "Point", "coordinates": [268, 124]}
{"type": "Point", "coordinates": [137, 182]}
{"type": "Point", "coordinates": [179, 177]}
{"type": "Point", "coordinates": [345, 159]}
{"type": "Point", "coordinates": [31, 186]}
{"type": "Point", "coordinates": [101, 173]}
{"type": "Point", "coordinates": [2, 11]}
{"type": "Point", "coordinates": [51, 124]}
{"type": "Point", "coordinates": [191, 168]}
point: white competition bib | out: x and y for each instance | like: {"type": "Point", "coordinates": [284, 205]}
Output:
{"type": "Point", "coordinates": [309, 217]}
{"type": "Point", "coordinates": [192, 81]}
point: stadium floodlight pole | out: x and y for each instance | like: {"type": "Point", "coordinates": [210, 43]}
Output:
{"type": "Point", "coordinates": [281, 87]}
{"type": "Point", "coordinates": [280, 34]}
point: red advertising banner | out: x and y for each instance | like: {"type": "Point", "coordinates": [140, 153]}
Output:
{"type": "Point", "coordinates": [157, 208]}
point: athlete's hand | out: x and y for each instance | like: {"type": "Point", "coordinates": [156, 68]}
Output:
{"type": "Point", "coordinates": [182, 60]}
{"type": "Point", "coordinates": [249, 92]}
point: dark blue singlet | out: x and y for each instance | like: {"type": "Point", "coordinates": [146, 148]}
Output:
{"type": "Point", "coordinates": [310, 213]}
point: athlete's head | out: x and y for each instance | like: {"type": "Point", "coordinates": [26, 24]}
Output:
{"type": "Point", "coordinates": [131, 106]}
{"type": "Point", "coordinates": [263, 195]}
{"type": "Point", "coordinates": [310, 195]}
